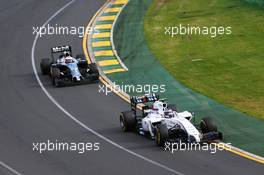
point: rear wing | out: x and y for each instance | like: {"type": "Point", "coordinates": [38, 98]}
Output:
{"type": "Point", "coordinates": [61, 49]}
{"type": "Point", "coordinates": [135, 100]}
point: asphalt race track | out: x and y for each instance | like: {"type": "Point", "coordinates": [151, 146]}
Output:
{"type": "Point", "coordinates": [27, 115]}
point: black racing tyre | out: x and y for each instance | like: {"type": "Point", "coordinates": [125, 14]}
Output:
{"type": "Point", "coordinates": [161, 135]}
{"type": "Point", "coordinates": [127, 121]}
{"type": "Point", "coordinates": [80, 56]}
{"type": "Point", "coordinates": [45, 66]}
{"type": "Point", "coordinates": [55, 74]}
{"type": "Point", "coordinates": [207, 125]}
{"type": "Point", "coordinates": [57, 82]}
{"type": "Point", "coordinates": [94, 70]}
{"type": "Point", "coordinates": [173, 107]}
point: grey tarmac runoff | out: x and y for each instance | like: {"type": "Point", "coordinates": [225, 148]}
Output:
{"type": "Point", "coordinates": [27, 115]}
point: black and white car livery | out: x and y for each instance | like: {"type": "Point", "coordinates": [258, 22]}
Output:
{"type": "Point", "coordinates": [164, 123]}
{"type": "Point", "coordinates": [66, 70]}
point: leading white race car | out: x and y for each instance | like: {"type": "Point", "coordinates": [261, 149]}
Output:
{"type": "Point", "coordinates": [164, 123]}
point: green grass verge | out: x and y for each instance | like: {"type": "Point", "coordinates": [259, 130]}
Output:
{"type": "Point", "coordinates": [231, 69]}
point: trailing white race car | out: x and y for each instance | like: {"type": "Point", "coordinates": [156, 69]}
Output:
{"type": "Point", "coordinates": [164, 123]}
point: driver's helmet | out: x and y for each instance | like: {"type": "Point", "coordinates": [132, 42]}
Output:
{"type": "Point", "coordinates": [66, 54]}
{"type": "Point", "coordinates": [159, 106]}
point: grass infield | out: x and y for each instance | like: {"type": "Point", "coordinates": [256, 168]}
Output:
{"type": "Point", "coordinates": [227, 68]}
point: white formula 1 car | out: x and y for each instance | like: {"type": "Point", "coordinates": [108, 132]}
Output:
{"type": "Point", "coordinates": [164, 123]}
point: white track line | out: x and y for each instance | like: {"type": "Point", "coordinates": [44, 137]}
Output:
{"type": "Point", "coordinates": [9, 168]}
{"type": "Point", "coordinates": [74, 118]}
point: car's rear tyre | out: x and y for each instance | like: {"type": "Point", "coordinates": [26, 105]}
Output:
{"type": "Point", "coordinates": [94, 70]}
{"type": "Point", "coordinates": [127, 121]}
{"type": "Point", "coordinates": [161, 135]}
{"type": "Point", "coordinates": [45, 66]}
{"type": "Point", "coordinates": [208, 125]}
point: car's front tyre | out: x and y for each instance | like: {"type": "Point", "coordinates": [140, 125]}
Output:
{"type": "Point", "coordinates": [55, 77]}
{"type": "Point", "coordinates": [208, 125]}
{"type": "Point", "coordinates": [161, 135]}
